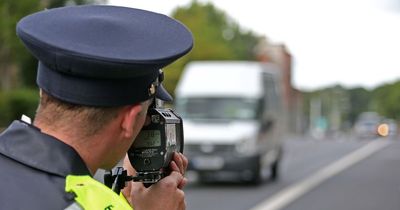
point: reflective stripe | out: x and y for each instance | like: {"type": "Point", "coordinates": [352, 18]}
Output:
{"type": "Point", "coordinates": [93, 195]}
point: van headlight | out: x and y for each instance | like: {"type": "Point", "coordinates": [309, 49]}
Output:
{"type": "Point", "coordinates": [246, 146]}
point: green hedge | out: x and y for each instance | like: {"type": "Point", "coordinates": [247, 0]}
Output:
{"type": "Point", "coordinates": [17, 102]}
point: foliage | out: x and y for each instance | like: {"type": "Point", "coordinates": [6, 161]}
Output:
{"type": "Point", "coordinates": [12, 52]}
{"type": "Point", "coordinates": [4, 110]}
{"type": "Point", "coordinates": [15, 60]}
{"type": "Point", "coordinates": [360, 101]}
{"type": "Point", "coordinates": [331, 104]}
{"type": "Point", "coordinates": [386, 100]}
{"type": "Point", "coordinates": [17, 65]}
{"type": "Point", "coordinates": [216, 37]}
{"type": "Point", "coordinates": [17, 102]}
{"type": "Point", "coordinates": [60, 3]}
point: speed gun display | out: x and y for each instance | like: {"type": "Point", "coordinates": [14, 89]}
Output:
{"type": "Point", "coordinates": [152, 150]}
{"type": "Point", "coordinates": [155, 145]}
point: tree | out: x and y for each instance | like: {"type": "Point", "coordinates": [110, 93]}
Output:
{"type": "Point", "coordinates": [12, 54]}
{"type": "Point", "coordinates": [17, 66]}
{"type": "Point", "coordinates": [360, 101]}
{"type": "Point", "coordinates": [386, 100]}
{"type": "Point", "coordinates": [216, 37]}
{"type": "Point", "coordinates": [338, 105]}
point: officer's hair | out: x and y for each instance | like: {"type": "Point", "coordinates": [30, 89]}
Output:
{"type": "Point", "coordinates": [60, 115]}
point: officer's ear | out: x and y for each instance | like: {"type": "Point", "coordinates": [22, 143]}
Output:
{"type": "Point", "coordinates": [130, 119]}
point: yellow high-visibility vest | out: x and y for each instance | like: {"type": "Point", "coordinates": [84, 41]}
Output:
{"type": "Point", "coordinates": [93, 195]}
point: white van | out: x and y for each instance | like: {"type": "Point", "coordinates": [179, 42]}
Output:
{"type": "Point", "coordinates": [233, 119]}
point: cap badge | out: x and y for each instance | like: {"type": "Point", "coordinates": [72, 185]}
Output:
{"type": "Point", "coordinates": [152, 89]}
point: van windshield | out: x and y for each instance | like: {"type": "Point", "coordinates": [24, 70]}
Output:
{"type": "Point", "coordinates": [218, 108]}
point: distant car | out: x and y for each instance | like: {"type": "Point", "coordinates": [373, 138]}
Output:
{"type": "Point", "coordinates": [367, 124]}
{"type": "Point", "coordinates": [392, 128]}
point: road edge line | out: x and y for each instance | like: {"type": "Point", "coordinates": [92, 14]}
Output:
{"type": "Point", "coordinates": [295, 191]}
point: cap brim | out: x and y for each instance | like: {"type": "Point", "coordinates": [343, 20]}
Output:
{"type": "Point", "coordinates": [163, 94]}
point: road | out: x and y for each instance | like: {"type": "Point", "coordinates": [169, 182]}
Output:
{"type": "Point", "coordinates": [316, 174]}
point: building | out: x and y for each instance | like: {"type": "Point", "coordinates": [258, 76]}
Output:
{"type": "Point", "coordinates": [292, 98]}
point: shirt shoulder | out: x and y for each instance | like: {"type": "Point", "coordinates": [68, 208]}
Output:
{"type": "Point", "coordinates": [24, 187]}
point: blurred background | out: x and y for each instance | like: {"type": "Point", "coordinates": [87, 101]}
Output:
{"type": "Point", "coordinates": [339, 58]}
{"type": "Point", "coordinates": [339, 83]}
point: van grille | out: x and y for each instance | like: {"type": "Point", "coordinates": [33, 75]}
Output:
{"type": "Point", "coordinates": [207, 149]}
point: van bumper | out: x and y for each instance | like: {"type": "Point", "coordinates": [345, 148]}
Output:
{"type": "Point", "coordinates": [222, 168]}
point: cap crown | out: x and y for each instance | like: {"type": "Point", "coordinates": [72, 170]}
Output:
{"type": "Point", "coordinates": [102, 42]}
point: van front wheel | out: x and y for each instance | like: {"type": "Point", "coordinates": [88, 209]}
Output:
{"type": "Point", "coordinates": [256, 177]}
{"type": "Point", "coordinates": [275, 170]}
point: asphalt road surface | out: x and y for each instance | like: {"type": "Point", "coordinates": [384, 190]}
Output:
{"type": "Point", "coordinates": [316, 175]}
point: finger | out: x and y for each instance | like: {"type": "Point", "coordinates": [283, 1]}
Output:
{"type": "Point", "coordinates": [137, 190]}
{"type": "Point", "coordinates": [127, 165]}
{"type": "Point", "coordinates": [172, 180]}
{"type": "Point", "coordinates": [174, 167]}
{"type": "Point", "coordinates": [185, 161]}
{"type": "Point", "coordinates": [137, 187]}
{"type": "Point", "coordinates": [183, 183]}
{"type": "Point", "coordinates": [126, 191]}
{"type": "Point", "coordinates": [136, 193]}
{"type": "Point", "coordinates": [179, 162]}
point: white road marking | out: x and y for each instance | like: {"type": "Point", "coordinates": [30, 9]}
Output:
{"type": "Point", "coordinates": [293, 192]}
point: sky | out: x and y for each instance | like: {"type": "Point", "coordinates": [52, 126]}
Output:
{"type": "Point", "coordinates": [348, 42]}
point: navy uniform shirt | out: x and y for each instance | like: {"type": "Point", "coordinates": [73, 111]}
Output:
{"type": "Point", "coordinates": [34, 166]}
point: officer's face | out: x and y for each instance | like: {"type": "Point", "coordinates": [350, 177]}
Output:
{"type": "Point", "coordinates": [144, 118]}
{"type": "Point", "coordinates": [141, 119]}
{"type": "Point", "coordinates": [122, 147]}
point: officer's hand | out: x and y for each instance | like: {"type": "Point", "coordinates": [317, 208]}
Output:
{"type": "Point", "coordinates": [179, 164]}
{"type": "Point", "coordinates": [163, 195]}
{"type": "Point", "coordinates": [166, 194]}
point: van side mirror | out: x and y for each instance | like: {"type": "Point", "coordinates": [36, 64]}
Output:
{"type": "Point", "coordinates": [267, 124]}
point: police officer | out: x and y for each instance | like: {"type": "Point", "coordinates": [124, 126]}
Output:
{"type": "Point", "coordinates": [99, 70]}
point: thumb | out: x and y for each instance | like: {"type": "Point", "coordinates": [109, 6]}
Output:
{"type": "Point", "coordinates": [172, 180]}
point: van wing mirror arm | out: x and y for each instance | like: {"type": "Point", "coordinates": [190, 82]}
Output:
{"type": "Point", "coordinates": [267, 124]}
